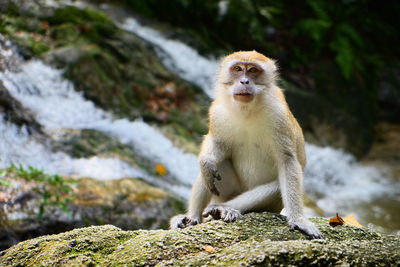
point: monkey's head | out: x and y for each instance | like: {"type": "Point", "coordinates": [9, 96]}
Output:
{"type": "Point", "coordinates": [245, 74]}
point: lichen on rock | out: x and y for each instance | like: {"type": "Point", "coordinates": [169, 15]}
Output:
{"type": "Point", "coordinates": [255, 239]}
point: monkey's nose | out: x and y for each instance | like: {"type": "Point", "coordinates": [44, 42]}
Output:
{"type": "Point", "coordinates": [244, 81]}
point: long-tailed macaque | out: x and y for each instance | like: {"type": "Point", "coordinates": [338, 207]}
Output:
{"type": "Point", "coordinates": [253, 157]}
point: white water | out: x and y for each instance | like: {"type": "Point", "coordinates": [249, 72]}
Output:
{"type": "Point", "coordinates": [17, 146]}
{"type": "Point", "coordinates": [178, 57]}
{"type": "Point", "coordinates": [340, 183]}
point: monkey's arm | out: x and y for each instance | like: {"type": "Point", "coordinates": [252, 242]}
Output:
{"type": "Point", "coordinates": [212, 153]}
{"type": "Point", "coordinates": [290, 180]}
{"type": "Point", "coordinates": [198, 201]}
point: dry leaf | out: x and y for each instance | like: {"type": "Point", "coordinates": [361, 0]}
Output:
{"type": "Point", "coordinates": [350, 220]}
{"type": "Point", "coordinates": [45, 25]}
{"type": "Point", "coordinates": [209, 249]}
{"type": "Point", "coordinates": [160, 169]}
{"type": "Point", "coordinates": [335, 221]}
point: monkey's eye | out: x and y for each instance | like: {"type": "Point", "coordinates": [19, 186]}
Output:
{"type": "Point", "coordinates": [237, 68]}
{"type": "Point", "coordinates": [252, 70]}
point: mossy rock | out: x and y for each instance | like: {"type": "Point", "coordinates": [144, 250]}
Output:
{"type": "Point", "coordinates": [255, 239]}
{"type": "Point", "coordinates": [127, 203]}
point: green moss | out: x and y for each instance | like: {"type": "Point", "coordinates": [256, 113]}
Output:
{"type": "Point", "coordinates": [66, 34]}
{"type": "Point", "coordinates": [256, 238]}
{"type": "Point", "coordinates": [93, 25]}
{"type": "Point", "coordinates": [37, 47]}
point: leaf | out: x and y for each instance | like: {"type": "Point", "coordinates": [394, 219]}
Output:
{"type": "Point", "coordinates": [344, 55]}
{"type": "Point", "coordinates": [351, 220]}
{"type": "Point", "coordinates": [335, 221]}
{"type": "Point", "coordinates": [209, 249]}
{"type": "Point", "coordinates": [5, 183]}
{"type": "Point", "coordinates": [315, 28]}
{"type": "Point", "coordinates": [351, 33]}
{"type": "Point", "coordinates": [3, 173]}
{"type": "Point", "coordinates": [160, 169]}
{"type": "Point", "coordinates": [45, 25]}
{"type": "Point", "coordinates": [41, 212]}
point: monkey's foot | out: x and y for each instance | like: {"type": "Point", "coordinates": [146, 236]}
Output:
{"type": "Point", "coordinates": [306, 227]}
{"type": "Point", "coordinates": [219, 211]}
{"type": "Point", "coordinates": [182, 221]}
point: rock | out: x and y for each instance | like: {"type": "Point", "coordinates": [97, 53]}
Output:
{"type": "Point", "coordinates": [255, 239]}
{"type": "Point", "coordinates": [15, 113]}
{"type": "Point", "coordinates": [127, 203]}
{"type": "Point", "coordinates": [325, 125]}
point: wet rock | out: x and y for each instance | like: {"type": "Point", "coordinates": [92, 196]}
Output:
{"type": "Point", "coordinates": [257, 238]}
{"type": "Point", "coordinates": [14, 112]}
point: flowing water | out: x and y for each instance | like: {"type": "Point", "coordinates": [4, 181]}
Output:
{"type": "Point", "coordinates": [333, 178]}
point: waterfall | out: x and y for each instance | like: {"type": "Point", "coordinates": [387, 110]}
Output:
{"type": "Point", "coordinates": [57, 106]}
{"type": "Point", "coordinates": [334, 178]}
{"type": "Point", "coordinates": [178, 57]}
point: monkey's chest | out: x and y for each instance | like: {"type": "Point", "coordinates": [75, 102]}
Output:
{"type": "Point", "coordinates": [253, 160]}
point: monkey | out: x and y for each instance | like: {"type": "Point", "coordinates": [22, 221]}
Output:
{"type": "Point", "coordinates": [253, 157]}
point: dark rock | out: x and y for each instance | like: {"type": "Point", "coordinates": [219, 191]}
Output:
{"type": "Point", "coordinates": [14, 112]}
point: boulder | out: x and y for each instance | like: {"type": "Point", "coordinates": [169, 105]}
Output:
{"type": "Point", "coordinates": [127, 203]}
{"type": "Point", "coordinates": [255, 239]}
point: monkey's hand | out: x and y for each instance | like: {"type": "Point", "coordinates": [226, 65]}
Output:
{"type": "Point", "coordinates": [210, 173]}
{"type": "Point", "coordinates": [182, 221]}
{"type": "Point", "coordinates": [220, 211]}
{"type": "Point", "coordinates": [305, 226]}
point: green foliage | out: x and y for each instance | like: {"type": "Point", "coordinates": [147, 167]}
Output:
{"type": "Point", "coordinates": [3, 182]}
{"type": "Point", "coordinates": [340, 30]}
{"type": "Point", "coordinates": [53, 189]}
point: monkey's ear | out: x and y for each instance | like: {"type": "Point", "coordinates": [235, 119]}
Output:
{"type": "Point", "coordinates": [272, 65]}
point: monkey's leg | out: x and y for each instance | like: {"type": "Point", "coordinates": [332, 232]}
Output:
{"type": "Point", "coordinates": [198, 201]}
{"type": "Point", "coordinates": [290, 178]}
{"type": "Point", "coordinates": [263, 197]}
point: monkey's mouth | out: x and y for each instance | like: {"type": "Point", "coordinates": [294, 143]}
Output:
{"type": "Point", "coordinates": [243, 97]}
{"type": "Point", "coordinates": [243, 94]}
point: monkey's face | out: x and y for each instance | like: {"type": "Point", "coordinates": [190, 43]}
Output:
{"type": "Point", "coordinates": [245, 81]}
{"type": "Point", "coordinates": [244, 76]}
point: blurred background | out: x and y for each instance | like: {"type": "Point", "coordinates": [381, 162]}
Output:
{"type": "Point", "coordinates": [103, 105]}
